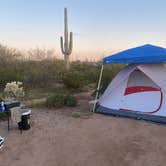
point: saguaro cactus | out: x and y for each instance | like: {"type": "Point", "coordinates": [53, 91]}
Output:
{"type": "Point", "coordinates": [67, 46]}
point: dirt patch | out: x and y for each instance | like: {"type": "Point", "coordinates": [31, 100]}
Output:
{"type": "Point", "coordinates": [58, 139]}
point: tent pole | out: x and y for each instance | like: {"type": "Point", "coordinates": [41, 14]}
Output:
{"type": "Point", "coordinates": [98, 87]}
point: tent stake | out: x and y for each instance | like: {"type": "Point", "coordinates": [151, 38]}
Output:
{"type": "Point", "coordinates": [98, 88]}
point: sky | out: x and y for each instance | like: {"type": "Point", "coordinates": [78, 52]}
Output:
{"type": "Point", "coordinates": [100, 27]}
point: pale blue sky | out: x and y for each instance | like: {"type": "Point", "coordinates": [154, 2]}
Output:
{"type": "Point", "coordinates": [99, 26]}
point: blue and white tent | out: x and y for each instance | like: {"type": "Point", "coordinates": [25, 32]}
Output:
{"type": "Point", "coordinates": [139, 90]}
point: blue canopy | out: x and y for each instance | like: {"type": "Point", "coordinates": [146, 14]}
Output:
{"type": "Point", "coordinates": [143, 54]}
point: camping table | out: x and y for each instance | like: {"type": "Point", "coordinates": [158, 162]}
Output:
{"type": "Point", "coordinates": [8, 105]}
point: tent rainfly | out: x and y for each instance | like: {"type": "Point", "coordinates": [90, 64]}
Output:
{"type": "Point", "coordinates": [139, 90]}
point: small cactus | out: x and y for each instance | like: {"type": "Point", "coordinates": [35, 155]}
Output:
{"type": "Point", "coordinates": [67, 45]}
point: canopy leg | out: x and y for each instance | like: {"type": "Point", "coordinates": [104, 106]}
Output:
{"type": "Point", "coordinates": [98, 88]}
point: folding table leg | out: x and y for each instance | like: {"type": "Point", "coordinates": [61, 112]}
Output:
{"type": "Point", "coordinates": [8, 115]}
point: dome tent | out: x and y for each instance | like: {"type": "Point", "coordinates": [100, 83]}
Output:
{"type": "Point", "coordinates": [139, 90]}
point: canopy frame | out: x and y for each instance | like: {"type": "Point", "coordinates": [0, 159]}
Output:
{"type": "Point", "coordinates": [98, 87]}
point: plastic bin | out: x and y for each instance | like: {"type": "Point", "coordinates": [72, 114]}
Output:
{"type": "Point", "coordinates": [25, 119]}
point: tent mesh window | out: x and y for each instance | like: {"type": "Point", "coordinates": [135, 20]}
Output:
{"type": "Point", "coordinates": [138, 78]}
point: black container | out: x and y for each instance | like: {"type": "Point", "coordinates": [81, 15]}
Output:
{"type": "Point", "coordinates": [25, 119]}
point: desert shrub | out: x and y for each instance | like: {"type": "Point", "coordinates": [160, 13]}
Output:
{"type": "Point", "coordinates": [9, 73]}
{"type": "Point", "coordinates": [72, 80]}
{"type": "Point", "coordinates": [88, 71]}
{"type": "Point", "coordinates": [13, 90]}
{"type": "Point", "coordinates": [40, 71]}
{"type": "Point", "coordinates": [56, 100]}
{"type": "Point", "coordinates": [60, 100]}
{"type": "Point", "coordinates": [41, 74]}
{"type": "Point", "coordinates": [70, 101]}
{"type": "Point", "coordinates": [8, 55]}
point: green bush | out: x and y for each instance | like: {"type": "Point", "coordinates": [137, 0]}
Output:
{"type": "Point", "coordinates": [60, 100]}
{"type": "Point", "coordinates": [56, 100]}
{"type": "Point", "coordinates": [70, 101]}
{"type": "Point", "coordinates": [72, 80]}
{"type": "Point", "coordinates": [38, 71]}
{"type": "Point", "coordinates": [88, 71]}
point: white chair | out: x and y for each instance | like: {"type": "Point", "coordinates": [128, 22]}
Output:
{"type": "Point", "coordinates": [2, 140]}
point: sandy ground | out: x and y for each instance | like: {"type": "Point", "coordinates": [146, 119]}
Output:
{"type": "Point", "coordinates": [58, 139]}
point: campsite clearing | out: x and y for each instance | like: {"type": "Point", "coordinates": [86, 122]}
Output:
{"type": "Point", "coordinates": [58, 139]}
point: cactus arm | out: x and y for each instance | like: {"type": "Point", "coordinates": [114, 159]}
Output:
{"type": "Point", "coordinates": [61, 42]}
{"type": "Point", "coordinates": [70, 44]}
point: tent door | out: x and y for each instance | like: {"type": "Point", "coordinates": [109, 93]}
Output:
{"type": "Point", "coordinates": [141, 94]}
